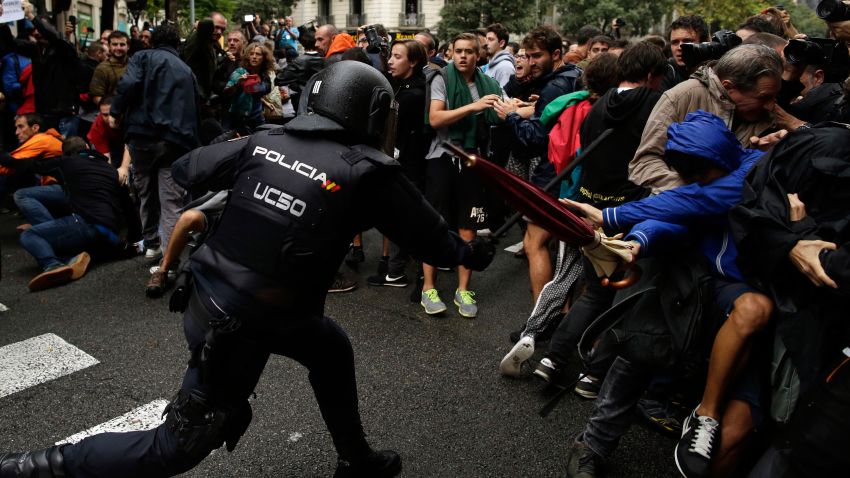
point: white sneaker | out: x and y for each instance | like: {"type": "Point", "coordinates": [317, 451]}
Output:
{"type": "Point", "coordinates": [522, 351]}
{"type": "Point", "coordinates": [153, 253]}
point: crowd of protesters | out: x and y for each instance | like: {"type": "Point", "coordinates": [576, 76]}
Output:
{"type": "Point", "coordinates": [723, 165]}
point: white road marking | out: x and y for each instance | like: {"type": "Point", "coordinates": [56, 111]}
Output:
{"type": "Point", "coordinates": [295, 436]}
{"type": "Point", "coordinates": [37, 360]}
{"type": "Point", "coordinates": [143, 418]}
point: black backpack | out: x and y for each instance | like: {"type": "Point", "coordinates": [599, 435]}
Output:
{"type": "Point", "coordinates": [666, 322]}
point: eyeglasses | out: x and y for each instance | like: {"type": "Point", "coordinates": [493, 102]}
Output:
{"type": "Point", "coordinates": [521, 57]}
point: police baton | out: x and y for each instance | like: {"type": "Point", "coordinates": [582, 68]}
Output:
{"type": "Point", "coordinates": [556, 181]}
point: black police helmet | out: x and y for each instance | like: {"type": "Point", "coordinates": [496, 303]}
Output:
{"type": "Point", "coordinates": [348, 97]}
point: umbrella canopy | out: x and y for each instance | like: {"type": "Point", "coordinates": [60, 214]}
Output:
{"type": "Point", "coordinates": [532, 201]}
{"type": "Point", "coordinates": [547, 212]}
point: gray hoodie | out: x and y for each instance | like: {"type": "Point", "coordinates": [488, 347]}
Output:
{"type": "Point", "coordinates": [501, 67]}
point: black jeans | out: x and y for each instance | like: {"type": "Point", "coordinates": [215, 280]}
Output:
{"type": "Point", "coordinates": [613, 410]}
{"type": "Point", "coordinates": [239, 358]}
{"type": "Point", "coordinates": [595, 300]}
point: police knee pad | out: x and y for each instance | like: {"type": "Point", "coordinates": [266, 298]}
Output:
{"type": "Point", "coordinates": [201, 427]}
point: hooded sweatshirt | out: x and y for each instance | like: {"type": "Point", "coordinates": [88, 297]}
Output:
{"type": "Point", "coordinates": [605, 175]}
{"type": "Point", "coordinates": [696, 209]}
{"type": "Point", "coordinates": [501, 67]}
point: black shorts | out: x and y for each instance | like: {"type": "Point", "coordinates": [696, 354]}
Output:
{"type": "Point", "coordinates": [456, 193]}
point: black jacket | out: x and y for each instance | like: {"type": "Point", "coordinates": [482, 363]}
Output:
{"type": "Point", "coordinates": [530, 133]}
{"type": "Point", "coordinates": [55, 74]}
{"type": "Point", "coordinates": [605, 174]}
{"type": "Point", "coordinates": [675, 74]}
{"type": "Point", "coordinates": [814, 164]}
{"type": "Point", "coordinates": [297, 72]}
{"type": "Point", "coordinates": [91, 185]}
{"type": "Point", "coordinates": [818, 104]}
{"type": "Point", "coordinates": [201, 52]}
{"type": "Point", "coordinates": [158, 98]}
{"type": "Point", "coordinates": [410, 131]}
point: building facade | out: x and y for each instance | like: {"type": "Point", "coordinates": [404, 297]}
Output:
{"type": "Point", "coordinates": [402, 16]}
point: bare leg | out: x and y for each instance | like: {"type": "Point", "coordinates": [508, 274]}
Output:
{"type": "Point", "coordinates": [429, 273]}
{"type": "Point", "coordinates": [464, 274]}
{"type": "Point", "coordinates": [385, 252]}
{"type": "Point", "coordinates": [736, 427]}
{"type": "Point", "coordinates": [536, 243]}
{"type": "Point", "coordinates": [751, 312]}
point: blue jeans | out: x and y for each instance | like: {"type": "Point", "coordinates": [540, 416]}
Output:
{"type": "Point", "coordinates": [40, 204]}
{"type": "Point", "coordinates": [66, 236]}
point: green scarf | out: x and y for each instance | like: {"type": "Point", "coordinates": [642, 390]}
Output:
{"type": "Point", "coordinates": [457, 95]}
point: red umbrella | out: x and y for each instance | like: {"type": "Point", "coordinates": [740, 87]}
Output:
{"type": "Point", "coordinates": [541, 208]}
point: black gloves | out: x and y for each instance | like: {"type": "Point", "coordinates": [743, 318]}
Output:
{"type": "Point", "coordinates": [480, 254]}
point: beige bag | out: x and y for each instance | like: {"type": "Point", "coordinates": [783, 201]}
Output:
{"type": "Point", "coordinates": [272, 105]}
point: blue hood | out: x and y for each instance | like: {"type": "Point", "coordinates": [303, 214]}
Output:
{"type": "Point", "coordinates": [705, 135]}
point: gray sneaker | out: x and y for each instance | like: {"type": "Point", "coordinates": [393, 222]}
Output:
{"type": "Point", "coordinates": [466, 304]}
{"type": "Point", "coordinates": [432, 303]}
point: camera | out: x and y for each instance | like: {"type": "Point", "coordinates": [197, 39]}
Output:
{"type": "Point", "coordinates": [248, 18]}
{"type": "Point", "coordinates": [833, 11]}
{"type": "Point", "coordinates": [722, 41]}
{"type": "Point", "coordinates": [377, 43]}
{"type": "Point", "coordinates": [830, 55]}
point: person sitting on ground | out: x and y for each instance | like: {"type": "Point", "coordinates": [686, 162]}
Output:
{"type": "Point", "coordinates": [100, 207]}
{"type": "Point", "coordinates": [35, 143]}
{"type": "Point", "coordinates": [708, 157]}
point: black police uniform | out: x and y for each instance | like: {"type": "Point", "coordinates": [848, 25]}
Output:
{"type": "Point", "coordinates": [261, 281]}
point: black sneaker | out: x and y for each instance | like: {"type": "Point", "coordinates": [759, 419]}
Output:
{"type": "Point", "coordinates": [588, 387]}
{"type": "Point", "coordinates": [387, 280]}
{"type": "Point", "coordinates": [664, 415]}
{"type": "Point", "coordinates": [696, 447]}
{"type": "Point", "coordinates": [342, 284]}
{"type": "Point", "coordinates": [582, 462]}
{"type": "Point", "coordinates": [379, 464]}
{"type": "Point", "coordinates": [547, 370]}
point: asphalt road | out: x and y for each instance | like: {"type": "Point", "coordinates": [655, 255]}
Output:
{"type": "Point", "coordinates": [429, 387]}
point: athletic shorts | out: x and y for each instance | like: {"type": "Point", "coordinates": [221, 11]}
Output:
{"type": "Point", "coordinates": [456, 193]}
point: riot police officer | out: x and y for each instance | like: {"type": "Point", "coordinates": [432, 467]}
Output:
{"type": "Point", "coordinates": [299, 194]}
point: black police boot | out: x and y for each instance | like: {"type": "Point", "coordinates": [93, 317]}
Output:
{"type": "Point", "coordinates": [46, 463]}
{"type": "Point", "coordinates": [376, 464]}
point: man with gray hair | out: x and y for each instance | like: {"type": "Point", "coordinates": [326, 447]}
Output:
{"type": "Point", "coordinates": [740, 88]}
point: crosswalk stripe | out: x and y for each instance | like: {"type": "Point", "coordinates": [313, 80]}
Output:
{"type": "Point", "coordinates": [143, 418]}
{"type": "Point", "coordinates": [38, 360]}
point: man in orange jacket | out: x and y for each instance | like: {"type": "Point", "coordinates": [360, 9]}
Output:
{"type": "Point", "coordinates": [37, 203]}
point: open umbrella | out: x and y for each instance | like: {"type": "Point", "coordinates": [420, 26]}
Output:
{"type": "Point", "coordinates": [547, 212]}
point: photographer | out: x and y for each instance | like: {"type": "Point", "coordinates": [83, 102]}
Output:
{"type": "Point", "coordinates": [374, 40]}
{"type": "Point", "coordinates": [825, 64]}
{"type": "Point", "coordinates": [685, 29]}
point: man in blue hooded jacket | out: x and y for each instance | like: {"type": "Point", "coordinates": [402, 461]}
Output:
{"type": "Point", "coordinates": [709, 157]}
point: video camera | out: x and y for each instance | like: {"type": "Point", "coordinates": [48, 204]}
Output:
{"type": "Point", "coordinates": [830, 55]}
{"type": "Point", "coordinates": [722, 41]}
{"type": "Point", "coordinates": [833, 11]}
{"type": "Point", "coordinates": [377, 43]}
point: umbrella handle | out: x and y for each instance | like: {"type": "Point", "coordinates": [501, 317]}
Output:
{"type": "Point", "coordinates": [627, 281]}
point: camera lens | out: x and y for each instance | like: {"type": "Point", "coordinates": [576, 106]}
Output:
{"type": "Point", "coordinates": [833, 11]}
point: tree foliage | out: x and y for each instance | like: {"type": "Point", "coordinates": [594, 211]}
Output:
{"type": "Point", "coordinates": [463, 15]}
{"type": "Point", "coordinates": [721, 14]}
{"type": "Point", "coordinates": [640, 15]}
